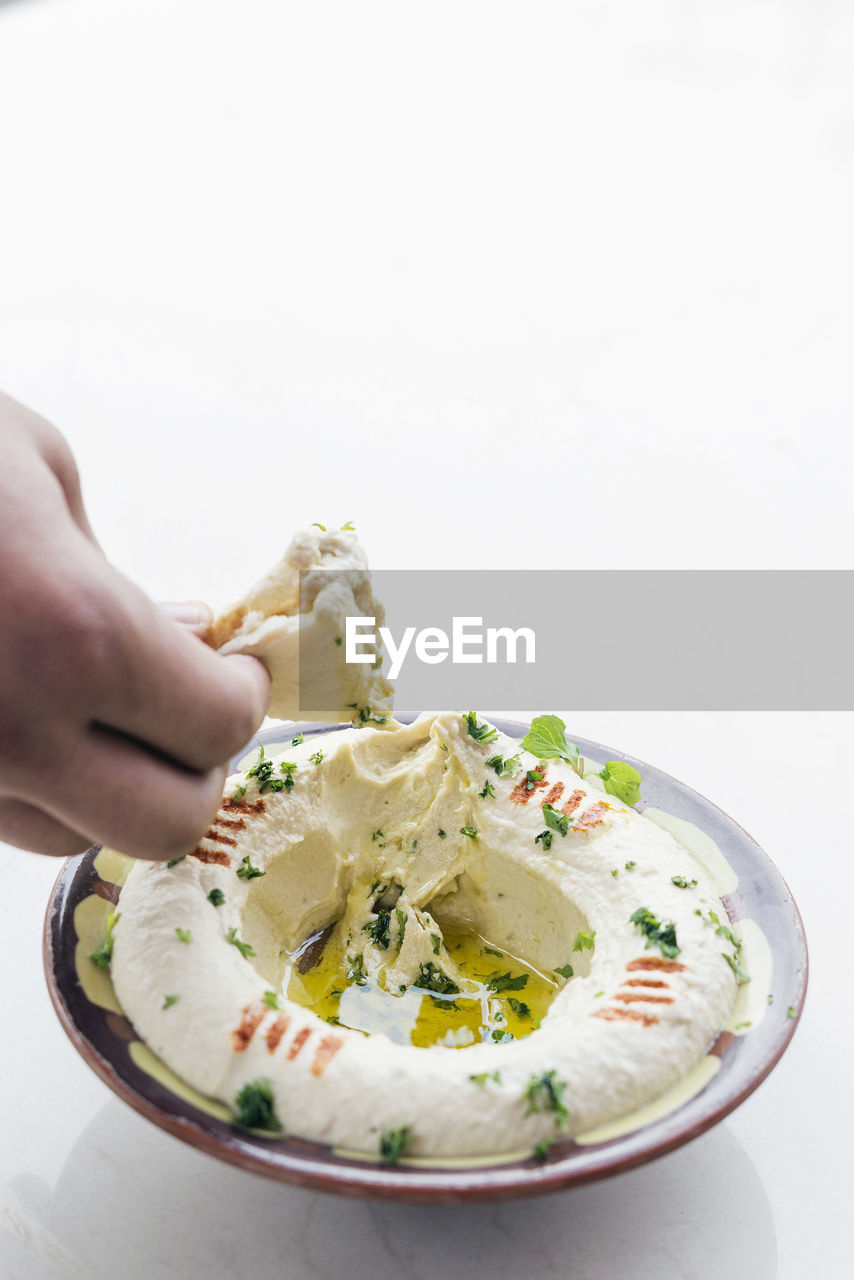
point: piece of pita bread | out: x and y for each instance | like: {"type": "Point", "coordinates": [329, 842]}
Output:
{"type": "Point", "coordinates": [293, 620]}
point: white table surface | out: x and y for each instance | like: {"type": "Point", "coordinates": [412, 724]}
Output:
{"type": "Point", "coordinates": [482, 278]}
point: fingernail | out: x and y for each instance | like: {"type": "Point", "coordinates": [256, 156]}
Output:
{"type": "Point", "coordinates": [190, 612]}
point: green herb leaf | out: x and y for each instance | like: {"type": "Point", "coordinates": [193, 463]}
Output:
{"type": "Point", "coordinates": [545, 1093]}
{"type": "Point", "coordinates": [584, 940]}
{"type": "Point", "coordinates": [483, 1076]}
{"type": "Point", "coordinates": [168, 1002]}
{"type": "Point", "coordinates": [520, 1009]}
{"type": "Point", "coordinates": [245, 948]}
{"type": "Point", "coordinates": [437, 943]}
{"type": "Point", "coordinates": [298, 740]}
{"type": "Point", "coordinates": [216, 897]}
{"type": "Point", "coordinates": [185, 936]}
{"type": "Point", "coordinates": [682, 883]}
{"type": "Point", "coordinates": [356, 970]}
{"type": "Point", "coordinates": [431, 978]}
{"type": "Point", "coordinates": [253, 1107]}
{"type": "Point", "coordinates": [102, 956]}
{"type": "Point", "coordinates": [546, 837]}
{"type": "Point", "coordinates": [393, 1143]}
{"type": "Point", "coordinates": [621, 780]}
{"type": "Point", "coordinates": [271, 999]}
{"type": "Point", "coordinates": [741, 974]}
{"type": "Point", "coordinates": [378, 835]}
{"type": "Point", "coordinates": [401, 921]}
{"type": "Point", "coordinates": [547, 740]}
{"type": "Point", "coordinates": [505, 768]}
{"type": "Point", "coordinates": [378, 929]}
{"type": "Point", "coordinates": [506, 982]}
{"type": "Point", "coordinates": [442, 834]}
{"type": "Point", "coordinates": [246, 871]}
{"type": "Point", "coordinates": [317, 757]}
{"type": "Point", "coordinates": [173, 862]}
{"type": "Point", "coordinates": [491, 951]}
{"type": "Point", "coordinates": [657, 934]}
{"type": "Point", "coordinates": [565, 971]}
{"type": "Point", "coordinates": [541, 1150]}
{"type": "Point", "coordinates": [630, 866]}
{"type": "Point", "coordinates": [486, 790]}
{"type": "Point", "coordinates": [480, 732]}
{"type": "Point", "coordinates": [557, 821]}
{"type": "Point", "coordinates": [471, 832]}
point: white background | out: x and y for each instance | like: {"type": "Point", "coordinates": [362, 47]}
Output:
{"type": "Point", "coordinates": [555, 283]}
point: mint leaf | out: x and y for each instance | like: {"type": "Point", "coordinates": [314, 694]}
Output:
{"type": "Point", "coordinates": [621, 780]}
{"type": "Point", "coordinates": [547, 740]}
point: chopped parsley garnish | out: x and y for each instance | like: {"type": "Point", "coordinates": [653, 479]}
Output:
{"type": "Point", "coordinates": [770, 998]}
{"type": "Point", "coordinates": [173, 862]}
{"type": "Point", "coordinates": [216, 897]}
{"type": "Point", "coordinates": [102, 956]}
{"type": "Point", "coordinates": [377, 888]}
{"type": "Point", "coordinates": [722, 930]}
{"type": "Point", "coordinates": [471, 832]}
{"type": "Point", "coordinates": [480, 732]}
{"type": "Point", "coordinates": [584, 940]}
{"type": "Point", "coordinates": [615, 872]}
{"type": "Point", "coordinates": [506, 982]}
{"type": "Point", "coordinates": [288, 769]}
{"type": "Point", "coordinates": [431, 978]}
{"type": "Point", "coordinates": [366, 716]}
{"type": "Point", "coordinates": [739, 1026]}
{"type": "Point", "coordinates": [630, 866]}
{"type": "Point", "coordinates": [621, 780]}
{"type": "Point", "coordinates": [502, 1037]}
{"type": "Point", "coordinates": [168, 1002]}
{"type": "Point", "coordinates": [356, 970]}
{"type": "Point", "coordinates": [547, 740]}
{"type": "Point", "coordinates": [349, 527]}
{"type": "Point", "coordinates": [378, 835]}
{"type": "Point", "coordinates": [262, 772]}
{"type": "Point", "coordinates": [298, 740]}
{"type": "Point", "coordinates": [184, 935]}
{"type": "Point", "coordinates": [486, 790]}
{"type": "Point", "coordinates": [491, 951]}
{"type": "Point", "coordinates": [378, 929]}
{"type": "Point", "coordinates": [442, 834]}
{"type": "Point", "coordinates": [565, 971]}
{"type": "Point", "coordinates": [334, 1019]}
{"type": "Point", "coordinates": [657, 934]}
{"type": "Point", "coordinates": [393, 1143]}
{"type": "Point", "coordinates": [791, 1012]}
{"type": "Point", "coordinates": [546, 838]}
{"type": "Point", "coordinates": [483, 1076]}
{"type": "Point", "coordinates": [401, 921]}
{"type": "Point", "coordinates": [315, 524]}
{"type": "Point", "coordinates": [740, 972]}
{"type": "Point", "coordinates": [557, 821]}
{"type": "Point", "coordinates": [272, 999]}
{"type": "Point", "coordinates": [317, 757]}
{"type": "Point", "coordinates": [541, 1150]}
{"type": "Point", "coordinates": [245, 948]}
{"type": "Point", "coordinates": [520, 1009]}
{"type": "Point", "coordinates": [253, 1107]}
{"type": "Point", "coordinates": [545, 1093]}
{"type": "Point", "coordinates": [682, 883]}
{"type": "Point", "coordinates": [239, 792]}
{"type": "Point", "coordinates": [505, 768]}
{"type": "Point", "coordinates": [533, 778]}
{"type": "Point", "coordinates": [247, 871]}
{"type": "Point", "coordinates": [437, 943]}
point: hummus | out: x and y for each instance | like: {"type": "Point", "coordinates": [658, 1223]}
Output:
{"type": "Point", "coordinates": [511, 952]}
{"type": "Point", "coordinates": [293, 620]}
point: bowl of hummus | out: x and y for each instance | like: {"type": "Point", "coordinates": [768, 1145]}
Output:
{"type": "Point", "coordinates": [438, 958]}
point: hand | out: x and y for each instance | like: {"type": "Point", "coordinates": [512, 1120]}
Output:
{"type": "Point", "coordinates": [115, 720]}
